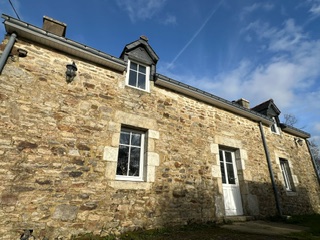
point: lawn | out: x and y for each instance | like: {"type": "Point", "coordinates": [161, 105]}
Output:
{"type": "Point", "coordinates": [214, 232]}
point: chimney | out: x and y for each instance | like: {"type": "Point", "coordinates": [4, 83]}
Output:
{"type": "Point", "coordinates": [53, 26]}
{"type": "Point", "coordinates": [243, 102]}
{"type": "Point", "coordinates": [143, 37]}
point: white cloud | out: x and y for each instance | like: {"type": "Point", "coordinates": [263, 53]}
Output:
{"type": "Point", "coordinates": [141, 9]}
{"type": "Point", "coordinates": [284, 39]}
{"type": "Point", "coordinates": [255, 7]}
{"type": "Point", "coordinates": [315, 8]}
{"type": "Point", "coordinates": [169, 20]}
{"type": "Point", "coordinates": [289, 76]}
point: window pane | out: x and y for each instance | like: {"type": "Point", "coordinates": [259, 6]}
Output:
{"type": "Point", "coordinates": [122, 166]}
{"type": "Point", "coordinates": [134, 161]}
{"type": "Point", "coordinates": [142, 69]}
{"type": "Point", "coordinates": [124, 137]}
{"type": "Point", "coordinates": [133, 66]}
{"type": "Point", "coordinates": [223, 175]}
{"type": "Point", "coordinates": [221, 155]}
{"type": "Point", "coordinates": [287, 177]}
{"type": "Point", "coordinates": [142, 81]}
{"type": "Point", "coordinates": [133, 78]}
{"type": "Point", "coordinates": [228, 157]}
{"type": "Point", "coordinates": [230, 172]}
{"type": "Point", "coordinates": [136, 139]}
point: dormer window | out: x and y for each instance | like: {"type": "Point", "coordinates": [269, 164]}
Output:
{"type": "Point", "coordinates": [274, 126]}
{"type": "Point", "coordinates": [142, 62]}
{"type": "Point", "coordinates": [138, 76]}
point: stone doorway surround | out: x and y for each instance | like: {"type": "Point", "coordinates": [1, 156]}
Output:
{"type": "Point", "coordinates": [249, 201]}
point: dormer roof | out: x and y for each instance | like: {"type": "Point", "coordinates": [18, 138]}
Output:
{"type": "Point", "coordinates": [140, 50]}
{"type": "Point", "coordinates": [267, 108]}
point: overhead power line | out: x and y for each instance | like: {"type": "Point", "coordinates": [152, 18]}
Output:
{"type": "Point", "coordinates": [14, 9]}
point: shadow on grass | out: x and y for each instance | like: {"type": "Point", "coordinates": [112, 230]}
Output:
{"type": "Point", "coordinates": [211, 231]}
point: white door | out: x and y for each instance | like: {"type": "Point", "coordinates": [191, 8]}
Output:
{"type": "Point", "coordinates": [230, 183]}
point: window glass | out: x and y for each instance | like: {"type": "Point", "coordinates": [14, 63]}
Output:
{"type": "Point", "coordinates": [130, 155]}
{"type": "Point", "coordinates": [274, 127]}
{"type": "Point", "coordinates": [228, 157]}
{"type": "Point", "coordinates": [227, 167]}
{"type": "Point", "coordinates": [142, 69]}
{"type": "Point", "coordinates": [223, 175]}
{"type": "Point", "coordinates": [286, 173]}
{"type": "Point", "coordinates": [133, 66]}
{"type": "Point", "coordinates": [125, 138]}
{"type": "Point", "coordinates": [132, 78]}
{"type": "Point", "coordinates": [134, 162]}
{"type": "Point", "coordinates": [122, 166]}
{"type": "Point", "coordinates": [138, 75]}
{"type": "Point", "coordinates": [142, 81]}
{"type": "Point", "coordinates": [136, 139]}
{"type": "Point", "coordinates": [230, 171]}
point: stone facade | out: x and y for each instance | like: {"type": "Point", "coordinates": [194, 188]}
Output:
{"type": "Point", "coordinates": [59, 148]}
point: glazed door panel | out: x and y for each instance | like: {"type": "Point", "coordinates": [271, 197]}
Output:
{"type": "Point", "coordinates": [230, 184]}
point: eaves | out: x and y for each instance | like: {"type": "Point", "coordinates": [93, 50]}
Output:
{"type": "Point", "coordinates": [38, 35]}
{"type": "Point", "coordinates": [294, 131]}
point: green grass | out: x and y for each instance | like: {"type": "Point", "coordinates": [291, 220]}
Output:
{"type": "Point", "coordinates": [211, 231]}
{"type": "Point", "coordinates": [310, 221]}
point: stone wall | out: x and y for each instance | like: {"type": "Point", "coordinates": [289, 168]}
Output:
{"type": "Point", "coordinates": [59, 145]}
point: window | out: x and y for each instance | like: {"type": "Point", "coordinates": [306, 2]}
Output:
{"type": "Point", "coordinates": [227, 167]}
{"type": "Point", "coordinates": [274, 127]}
{"type": "Point", "coordinates": [131, 155]}
{"type": "Point", "coordinates": [138, 76]}
{"type": "Point", "coordinates": [286, 173]}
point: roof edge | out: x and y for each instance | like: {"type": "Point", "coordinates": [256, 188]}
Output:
{"type": "Point", "coordinates": [66, 45]}
{"type": "Point", "coordinates": [294, 131]}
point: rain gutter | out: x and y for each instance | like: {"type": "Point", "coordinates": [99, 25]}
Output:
{"type": "Point", "coordinates": [30, 32]}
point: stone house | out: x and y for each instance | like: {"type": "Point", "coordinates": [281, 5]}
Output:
{"type": "Point", "coordinates": [110, 145]}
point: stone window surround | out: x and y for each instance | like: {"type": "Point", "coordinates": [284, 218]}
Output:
{"type": "Point", "coordinates": [147, 89]}
{"type": "Point", "coordinates": [110, 154]}
{"type": "Point", "coordinates": [280, 176]}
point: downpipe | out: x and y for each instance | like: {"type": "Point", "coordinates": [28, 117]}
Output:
{"type": "Point", "coordinates": [274, 186]}
{"type": "Point", "coordinates": [6, 51]}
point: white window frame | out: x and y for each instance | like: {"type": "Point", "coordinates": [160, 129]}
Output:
{"type": "Point", "coordinates": [275, 126]}
{"type": "Point", "coordinates": [147, 75]}
{"type": "Point", "coordinates": [224, 162]}
{"type": "Point", "coordinates": [142, 155]}
{"type": "Point", "coordinates": [287, 175]}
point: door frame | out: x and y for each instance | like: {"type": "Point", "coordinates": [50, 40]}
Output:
{"type": "Point", "coordinates": [231, 190]}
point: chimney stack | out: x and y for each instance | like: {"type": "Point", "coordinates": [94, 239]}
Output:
{"type": "Point", "coordinates": [53, 26]}
{"type": "Point", "coordinates": [243, 102]}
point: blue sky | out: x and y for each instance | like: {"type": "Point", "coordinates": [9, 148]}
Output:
{"type": "Point", "coordinates": [255, 50]}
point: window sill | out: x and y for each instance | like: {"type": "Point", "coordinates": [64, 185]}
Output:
{"type": "Point", "coordinates": [129, 184]}
{"type": "Point", "coordinates": [276, 133]}
{"type": "Point", "coordinates": [140, 89]}
{"type": "Point", "coordinates": [291, 193]}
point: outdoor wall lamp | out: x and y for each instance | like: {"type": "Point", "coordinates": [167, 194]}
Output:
{"type": "Point", "coordinates": [298, 141]}
{"type": "Point", "coordinates": [71, 72]}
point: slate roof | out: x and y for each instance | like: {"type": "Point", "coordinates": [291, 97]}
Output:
{"type": "Point", "coordinates": [265, 106]}
{"type": "Point", "coordinates": [143, 41]}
